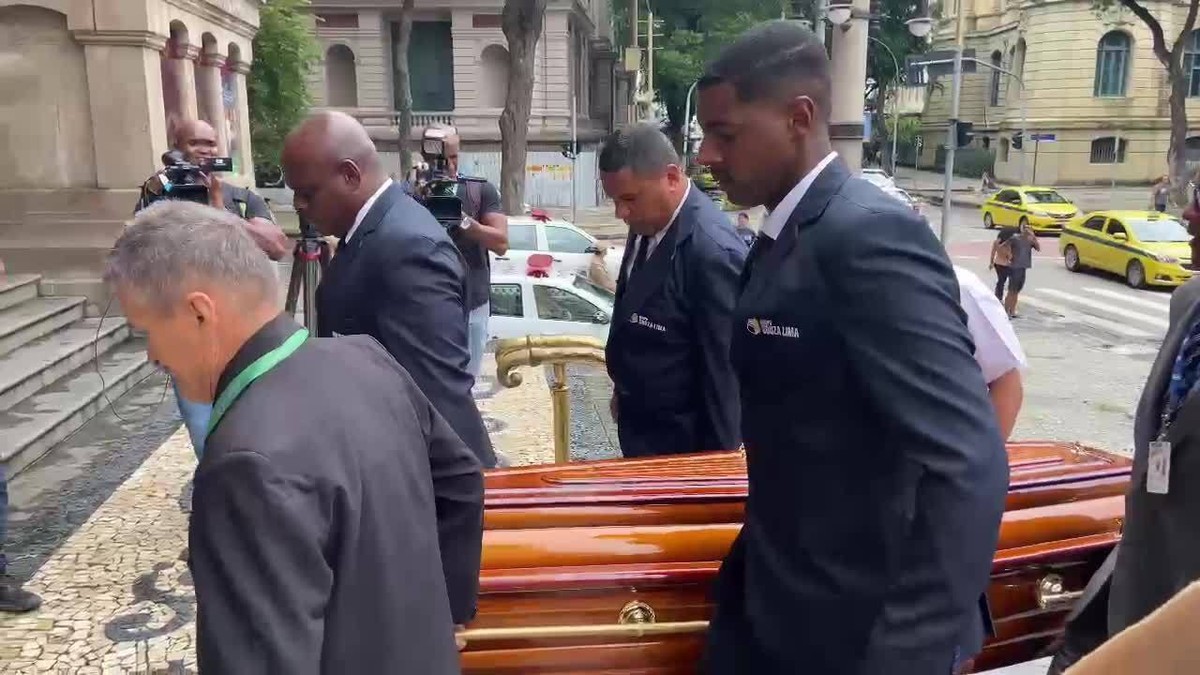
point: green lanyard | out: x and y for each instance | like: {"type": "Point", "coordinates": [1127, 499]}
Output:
{"type": "Point", "coordinates": [261, 366]}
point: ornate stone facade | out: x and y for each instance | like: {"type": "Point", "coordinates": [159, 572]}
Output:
{"type": "Point", "coordinates": [1091, 80]}
{"type": "Point", "coordinates": [91, 88]}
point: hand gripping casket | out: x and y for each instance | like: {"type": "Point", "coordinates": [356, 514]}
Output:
{"type": "Point", "coordinates": [605, 567]}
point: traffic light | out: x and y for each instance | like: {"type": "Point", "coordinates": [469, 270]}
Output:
{"type": "Point", "coordinates": [964, 132]}
{"type": "Point", "coordinates": [1017, 139]}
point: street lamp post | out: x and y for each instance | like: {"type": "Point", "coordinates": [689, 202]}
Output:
{"type": "Point", "coordinates": [687, 124]}
{"type": "Point", "coordinates": [895, 102]}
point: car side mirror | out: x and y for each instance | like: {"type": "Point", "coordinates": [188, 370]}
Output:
{"type": "Point", "coordinates": [592, 249]}
{"type": "Point", "coordinates": [600, 317]}
{"type": "Point", "coordinates": [1120, 236]}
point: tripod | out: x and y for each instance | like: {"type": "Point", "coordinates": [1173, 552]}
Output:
{"type": "Point", "coordinates": [309, 262]}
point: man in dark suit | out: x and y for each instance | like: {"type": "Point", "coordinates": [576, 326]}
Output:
{"type": "Point", "coordinates": [674, 389]}
{"type": "Point", "coordinates": [1159, 553]}
{"type": "Point", "coordinates": [333, 505]}
{"type": "Point", "coordinates": [397, 276]}
{"type": "Point", "coordinates": [876, 465]}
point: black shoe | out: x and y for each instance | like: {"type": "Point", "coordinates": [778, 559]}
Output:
{"type": "Point", "coordinates": [15, 599]}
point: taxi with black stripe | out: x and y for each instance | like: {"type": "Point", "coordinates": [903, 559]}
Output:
{"type": "Point", "coordinates": [1148, 248]}
{"type": "Point", "coordinates": [1044, 209]}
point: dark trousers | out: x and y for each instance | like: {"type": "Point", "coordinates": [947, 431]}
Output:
{"type": "Point", "coordinates": [3, 519]}
{"type": "Point", "coordinates": [1013, 276]}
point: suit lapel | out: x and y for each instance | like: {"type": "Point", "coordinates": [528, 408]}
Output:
{"type": "Point", "coordinates": [630, 243]}
{"type": "Point", "coordinates": [374, 217]}
{"type": "Point", "coordinates": [1149, 416]}
{"type": "Point", "coordinates": [811, 207]}
{"type": "Point", "coordinates": [650, 277]}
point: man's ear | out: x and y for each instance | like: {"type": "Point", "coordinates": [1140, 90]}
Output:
{"type": "Point", "coordinates": [201, 307]}
{"type": "Point", "coordinates": [675, 175]}
{"type": "Point", "coordinates": [350, 173]}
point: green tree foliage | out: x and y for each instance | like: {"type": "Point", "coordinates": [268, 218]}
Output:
{"type": "Point", "coordinates": [285, 51]}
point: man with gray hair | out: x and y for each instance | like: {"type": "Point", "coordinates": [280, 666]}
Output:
{"type": "Point", "coordinates": [330, 489]}
{"type": "Point", "coordinates": [674, 389]}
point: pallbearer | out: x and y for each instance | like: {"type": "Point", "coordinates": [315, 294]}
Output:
{"type": "Point", "coordinates": [877, 471]}
{"type": "Point", "coordinates": [668, 351]}
{"type": "Point", "coordinates": [329, 491]}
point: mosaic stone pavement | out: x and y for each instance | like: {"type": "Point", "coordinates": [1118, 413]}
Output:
{"type": "Point", "coordinates": [117, 594]}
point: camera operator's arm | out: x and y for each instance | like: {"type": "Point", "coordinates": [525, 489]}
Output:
{"type": "Point", "coordinates": [260, 223]}
{"type": "Point", "coordinates": [491, 229]}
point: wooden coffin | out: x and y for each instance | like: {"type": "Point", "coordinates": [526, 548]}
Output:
{"type": "Point", "coordinates": [605, 567]}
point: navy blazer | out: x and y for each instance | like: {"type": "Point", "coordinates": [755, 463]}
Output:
{"type": "Point", "coordinates": [668, 350]}
{"type": "Point", "coordinates": [877, 470]}
{"type": "Point", "coordinates": [402, 281]}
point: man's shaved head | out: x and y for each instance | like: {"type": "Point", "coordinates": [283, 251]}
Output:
{"type": "Point", "coordinates": [196, 139]}
{"type": "Point", "coordinates": [333, 168]}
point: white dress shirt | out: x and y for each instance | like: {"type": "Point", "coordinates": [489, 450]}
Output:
{"type": "Point", "coordinates": [653, 243]}
{"type": "Point", "coordinates": [362, 213]}
{"type": "Point", "coordinates": [777, 218]}
{"type": "Point", "coordinates": [997, 349]}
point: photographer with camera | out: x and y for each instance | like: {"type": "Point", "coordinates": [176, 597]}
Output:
{"type": "Point", "coordinates": [477, 226]}
{"type": "Point", "coordinates": [190, 174]}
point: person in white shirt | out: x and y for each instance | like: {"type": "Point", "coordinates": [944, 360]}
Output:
{"type": "Point", "coordinates": [997, 349]}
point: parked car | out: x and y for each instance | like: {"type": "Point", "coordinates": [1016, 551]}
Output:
{"type": "Point", "coordinates": [525, 305]}
{"type": "Point", "coordinates": [1146, 247]}
{"type": "Point", "coordinates": [572, 248]}
{"type": "Point", "coordinates": [879, 177]}
{"type": "Point", "coordinates": [903, 197]}
{"type": "Point", "coordinates": [1044, 209]}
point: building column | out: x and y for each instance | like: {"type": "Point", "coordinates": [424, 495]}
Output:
{"type": "Point", "coordinates": [124, 70]}
{"type": "Point", "coordinates": [245, 156]}
{"type": "Point", "coordinates": [211, 96]}
{"type": "Point", "coordinates": [849, 61]}
{"type": "Point", "coordinates": [183, 67]}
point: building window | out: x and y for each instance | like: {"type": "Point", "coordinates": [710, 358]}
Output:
{"type": "Point", "coordinates": [341, 80]}
{"type": "Point", "coordinates": [1112, 65]}
{"type": "Point", "coordinates": [430, 66]}
{"type": "Point", "coordinates": [1003, 149]}
{"type": "Point", "coordinates": [994, 96]}
{"type": "Point", "coordinates": [557, 304]}
{"type": "Point", "coordinates": [1191, 62]}
{"type": "Point", "coordinates": [1108, 150]}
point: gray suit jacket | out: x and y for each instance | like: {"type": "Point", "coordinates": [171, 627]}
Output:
{"type": "Point", "coordinates": [1159, 552]}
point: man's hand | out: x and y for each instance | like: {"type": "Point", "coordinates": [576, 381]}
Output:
{"type": "Point", "coordinates": [459, 640]}
{"type": "Point", "coordinates": [612, 407]}
{"type": "Point", "coordinates": [216, 193]}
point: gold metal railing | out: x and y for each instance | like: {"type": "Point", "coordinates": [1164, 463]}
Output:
{"type": "Point", "coordinates": [558, 351]}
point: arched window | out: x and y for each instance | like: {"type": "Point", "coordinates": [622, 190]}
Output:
{"type": "Point", "coordinates": [994, 96]}
{"type": "Point", "coordinates": [1191, 62]}
{"type": "Point", "coordinates": [1016, 63]}
{"type": "Point", "coordinates": [494, 65]}
{"type": "Point", "coordinates": [1112, 64]}
{"type": "Point", "coordinates": [341, 80]}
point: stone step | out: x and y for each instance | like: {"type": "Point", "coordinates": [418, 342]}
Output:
{"type": "Point", "coordinates": [34, 426]}
{"type": "Point", "coordinates": [41, 362]}
{"type": "Point", "coordinates": [17, 288]}
{"type": "Point", "coordinates": [34, 318]}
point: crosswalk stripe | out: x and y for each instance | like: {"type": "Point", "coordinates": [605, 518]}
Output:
{"type": "Point", "coordinates": [1159, 321]}
{"type": "Point", "coordinates": [1095, 321]}
{"type": "Point", "coordinates": [1154, 301]}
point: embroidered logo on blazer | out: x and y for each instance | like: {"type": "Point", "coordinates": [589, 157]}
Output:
{"type": "Point", "coordinates": [768, 327]}
{"type": "Point", "coordinates": [643, 320]}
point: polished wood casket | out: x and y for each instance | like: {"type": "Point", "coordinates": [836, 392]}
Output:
{"type": "Point", "coordinates": [605, 567]}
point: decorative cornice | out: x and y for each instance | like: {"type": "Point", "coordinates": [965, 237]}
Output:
{"type": "Point", "coordinates": [207, 11]}
{"type": "Point", "coordinates": [212, 61]}
{"type": "Point", "coordinates": [188, 52]}
{"type": "Point", "coordinates": [240, 67]}
{"type": "Point", "coordinates": [121, 38]}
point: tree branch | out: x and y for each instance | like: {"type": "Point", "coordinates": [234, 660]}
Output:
{"type": "Point", "coordinates": [1157, 41]}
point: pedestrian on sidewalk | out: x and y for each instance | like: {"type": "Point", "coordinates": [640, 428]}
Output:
{"type": "Point", "coordinates": [1191, 217]}
{"type": "Point", "coordinates": [1012, 256]}
{"type": "Point", "coordinates": [13, 598]}
{"type": "Point", "coordinates": [1161, 194]}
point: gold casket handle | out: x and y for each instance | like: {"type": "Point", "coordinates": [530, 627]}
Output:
{"type": "Point", "coordinates": [1052, 593]}
{"type": "Point", "coordinates": [636, 619]}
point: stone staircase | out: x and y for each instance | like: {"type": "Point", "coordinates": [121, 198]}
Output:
{"type": "Point", "coordinates": [58, 368]}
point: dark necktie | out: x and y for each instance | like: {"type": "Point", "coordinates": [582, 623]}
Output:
{"type": "Point", "coordinates": [762, 245]}
{"type": "Point", "coordinates": [1184, 375]}
{"type": "Point", "coordinates": [639, 257]}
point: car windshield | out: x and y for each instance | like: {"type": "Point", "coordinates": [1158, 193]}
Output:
{"type": "Point", "coordinates": [583, 283]}
{"type": "Point", "coordinates": [878, 179]}
{"type": "Point", "coordinates": [1158, 230]}
{"type": "Point", "coordinates": [1046, 197]}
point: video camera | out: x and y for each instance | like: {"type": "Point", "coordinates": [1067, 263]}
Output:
{"type": "Point", "coordinates": [183, 181]}
{"type": "Point", "coordinates": [437, 188]}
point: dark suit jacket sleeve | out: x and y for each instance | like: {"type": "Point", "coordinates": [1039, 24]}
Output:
{"type": "Point", "coordinates": [458, 497]}
{"type": "Point", "coordinates": [256, 542]}
{"type": "Point", "coordinates": [897, 305]}
{"type": "Point", "coordinates": [422, 319]}
{"type": "Point", "coordinates": [713, 293]}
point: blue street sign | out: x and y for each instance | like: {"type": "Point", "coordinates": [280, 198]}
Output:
{"type": "Point", "coordinates": [1042, 138]}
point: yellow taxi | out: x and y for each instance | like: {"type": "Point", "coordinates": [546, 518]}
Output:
{"type": "Point", "coordinates": [1045, 209]}
{"type": "Point", "coordinates": [1146, 247]}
